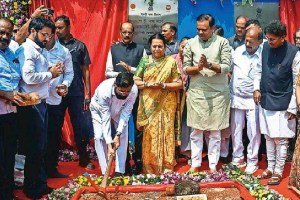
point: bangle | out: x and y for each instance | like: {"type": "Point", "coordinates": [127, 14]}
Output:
{"type": "Point", "coordinates": [163, 86]}
{"type": "Point", "coordinates": [145, 84]}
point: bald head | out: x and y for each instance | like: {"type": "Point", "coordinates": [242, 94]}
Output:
{"type": "Point", "coordinates": [254, 37]}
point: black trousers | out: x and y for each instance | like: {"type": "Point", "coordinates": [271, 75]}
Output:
{"type": "Point", "coordinates": [74, 104]}
{"type": "Point", "coordinates": [8, 146]}
{"type": "Point", "coordinates": [33, 123]}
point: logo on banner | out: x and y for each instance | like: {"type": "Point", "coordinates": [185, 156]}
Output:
{"type": "Point", "coordinates": [132, 6]}
{"type": "Point", "coordinates": [168, 7]}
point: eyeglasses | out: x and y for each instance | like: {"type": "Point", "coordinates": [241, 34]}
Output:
{"type": "Point", "coordinates": [46, 35]}
{"type": "Point", "coordinates": [15, 30]}
{"type": "Point", "coordinates": [127, 32]}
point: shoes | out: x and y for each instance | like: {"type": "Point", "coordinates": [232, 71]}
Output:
{"type": "Point", "coordinates": [224, 160]}
{"type": "Point", "coordinates": [118, 174]}
{"type": "Point", "coordinates": [240, 164]}
{"type": "Point", "coordinates": [265, 174]}
{"type": "Point", "coordinates": [193, 169]}
{"type": "Point", "coordinates": [38, 192]}
{"type": "Point", "coordinates": [56, 174]}
{"type": "Point", "coordinates": [275, 179]}
{"type": "Point", "coordinates": [251, 169]}
{"type": "Point", "coordinates": [47, 190]}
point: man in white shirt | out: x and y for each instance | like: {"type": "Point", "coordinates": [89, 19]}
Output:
{"type": "Point", "coordinates": [245, 59]}
{"type": "Point", "coordinates": [36, 76]}
{"type": "Point", "coordinates": [56, 53]}
{"type": "Point", "coordinates": [112, 103]}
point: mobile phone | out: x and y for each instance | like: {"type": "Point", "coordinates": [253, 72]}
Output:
{"type": "Point", "coordinates": [50, 12]}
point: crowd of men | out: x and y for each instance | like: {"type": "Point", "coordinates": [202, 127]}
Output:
{"type": "Point", "coordinates": [39, 80]}
{"type": "Point", "coordinates": [45, 75]}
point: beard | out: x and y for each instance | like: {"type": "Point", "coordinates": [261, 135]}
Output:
{"type": "Point", "coordinates": [120, 96]}
{"type": "Point", "coordinates": [38, 42]}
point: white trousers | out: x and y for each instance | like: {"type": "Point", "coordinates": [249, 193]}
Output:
{"type": "Point", "coordinates": [225, 137]}
{"type": "Point", "coordinates": [214, 142]}
{"type": "Point", "coordinates": [276, 153]}
{"type": "Point", "coordinates": [101, 149]}
{"type": "Point", "coordinates": [253, 132]}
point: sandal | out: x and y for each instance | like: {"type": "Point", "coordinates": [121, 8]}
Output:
{"type": "Point", "coordinates": [193, 170]}
{"type": "Point", "coordinates": [265, 174]}
{"type": "Point", "coordinates": [275, 179]}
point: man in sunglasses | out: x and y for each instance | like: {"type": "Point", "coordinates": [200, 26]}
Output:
{"type": "Point", "coordinates": [112, 103]}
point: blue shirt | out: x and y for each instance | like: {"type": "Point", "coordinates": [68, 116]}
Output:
{"type": "Point", "coordinates": [34, 69]}
{"type": "Point", "coordinates": [61, 54]}
{"type": "Point", "coordinates": [10, 76]}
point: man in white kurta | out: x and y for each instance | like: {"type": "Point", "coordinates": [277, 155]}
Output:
{"type": "Point", "coordinates": [112, 103]}
{"type": "Point", "coordinates": [244, 60]}
{"type": "Point", "coordinates": [274, 91]}
{"type": "Point", "coordinates": [207, 61]}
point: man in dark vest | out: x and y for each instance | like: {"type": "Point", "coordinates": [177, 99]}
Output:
{"type": "Point", "coordinates": [274, 91]}
{"type": "Point", "coordinates": [125, 56]}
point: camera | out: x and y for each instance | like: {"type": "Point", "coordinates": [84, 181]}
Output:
{"type": "Point", "coordinates": [49, 12]}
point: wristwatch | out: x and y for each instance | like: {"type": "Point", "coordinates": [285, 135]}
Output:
{"type": "Point", "coordinates": [209, 65]}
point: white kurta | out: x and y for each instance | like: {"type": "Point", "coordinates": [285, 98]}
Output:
{"type": "Point", "coordinates": [275, 123]}
{"type": "Point", "coordinates": [106, 107]}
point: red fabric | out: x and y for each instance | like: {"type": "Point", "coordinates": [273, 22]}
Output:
{"type": "Point", "coordinates": [290, 16]}
{"type": "Point", "coordinates": [97, 24]}
{"type": "Point", "coordinates": [37, 3]}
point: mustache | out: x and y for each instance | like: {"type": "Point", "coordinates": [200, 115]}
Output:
{"type": "Point", "coordinates": [248, 47]}
{"type": "Point", "coordinates": [4, 41]}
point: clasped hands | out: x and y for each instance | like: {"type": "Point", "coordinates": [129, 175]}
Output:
{"type": "Point", "coordinates": [154, 85]}
{"type": "Point", "coordinates": [202, 62]}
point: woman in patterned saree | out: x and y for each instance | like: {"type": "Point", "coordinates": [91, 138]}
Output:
{"type": "Point", "coordinates": [159, 81]}
{"type": "Point", "coordinates": [294, 179]}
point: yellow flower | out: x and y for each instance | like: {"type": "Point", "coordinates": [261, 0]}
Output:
{"type": "Point", "coordinates": [15, 3]}
{"type": "Point", "coordinates": [12, 18]}
{"type": "Point", "coordinates": [126, 180]}
{"type": "Point", "coordinates": [29, 2]}
{"type": "Point", "coordinates": [24, 3]}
